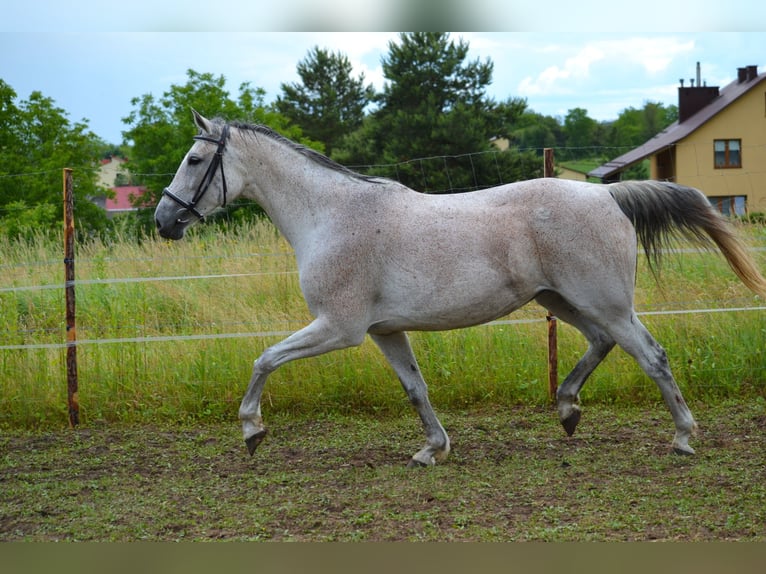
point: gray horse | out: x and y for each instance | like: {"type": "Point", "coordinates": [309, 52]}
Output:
{"type": "Point", "coordinates": [376, 258]}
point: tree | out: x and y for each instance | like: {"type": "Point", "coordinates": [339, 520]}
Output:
{"type": "Point", "coordinates": [434, 109]}
{"type": "Point", "coordinates": [161, 129]}
{"type": "Point", "coordinates": [38, 141]}
{"type": "Point", "coordinates": [328, 104]}
{"type": "Point", "coordinates": [635, 126]}
{"type": "Point", "coordinates": [632, 128]}
{"type": "Point", "coordinates": [580, 132]}
{"type": "Point", "coordinates": [429, 90]}
{"type": "Point", "coordinates": [533, 131]}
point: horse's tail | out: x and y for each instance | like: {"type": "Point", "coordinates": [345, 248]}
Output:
{"type": "Point", "coordinates": [663, 211]}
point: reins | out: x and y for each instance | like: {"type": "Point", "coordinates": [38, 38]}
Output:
{"type": "Point", "coordinates": [215, 164]}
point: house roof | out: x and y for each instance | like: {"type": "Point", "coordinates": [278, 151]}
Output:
{"type": "Point", "coordinates": [677, 130]}
{"type": "Point", "coordinates": [122, 198]}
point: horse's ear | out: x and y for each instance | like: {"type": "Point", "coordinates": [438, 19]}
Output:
{"type": "Point", "coordinates": [202, 123]}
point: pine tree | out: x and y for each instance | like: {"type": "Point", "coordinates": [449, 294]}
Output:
{"type": "Point", "coordinates": [328, 103]}
{"type": "Point", "coordinates": [432, 114]}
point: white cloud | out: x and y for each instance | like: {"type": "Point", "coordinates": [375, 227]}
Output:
{"type": "Point", "coordinates": [269, 59]}
{"type": "Point", "coordinates": [652, 56]}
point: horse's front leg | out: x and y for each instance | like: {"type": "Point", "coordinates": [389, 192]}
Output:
{"type": "Point", "coordinates": [253, 428]}
{"type": "Point", "coordinates": [396, 348]}
{"type": "Point", "coordinates": [317, 338]}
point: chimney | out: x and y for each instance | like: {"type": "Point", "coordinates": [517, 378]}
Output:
{"type": "Point", "coordinates": [752, 73]}
{"type": "Point", "coordinates": [694, 98]}
{"type": "Point", "coordinates": [741, 75]}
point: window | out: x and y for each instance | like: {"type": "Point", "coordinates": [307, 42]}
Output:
{"type": "Point", "coordinates": [730, 205]}
{"type": "Point", "coordinates": [727, 153]}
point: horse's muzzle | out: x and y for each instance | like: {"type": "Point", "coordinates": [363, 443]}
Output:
{"type": "Point", "coordinates": [173, 231]}
{"type": "Point", "coordinates": [168, 223]}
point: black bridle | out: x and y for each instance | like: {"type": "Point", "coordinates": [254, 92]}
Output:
{"type": "Point", "coordinates": [204, 184]}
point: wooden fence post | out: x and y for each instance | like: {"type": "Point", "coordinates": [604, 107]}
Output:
{"type": "Point", "coordinates": [553, 354]}
{"type": "Point", "coordinates": [71, 332]}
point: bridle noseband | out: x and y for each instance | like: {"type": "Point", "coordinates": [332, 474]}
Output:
{"type": "Point", "coordinates": [215, 163]}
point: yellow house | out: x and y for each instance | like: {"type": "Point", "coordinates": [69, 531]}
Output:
{"type": "Point", "coordinates": [718, 144]}
{"type": "Point", "coordinates": [569, 173]}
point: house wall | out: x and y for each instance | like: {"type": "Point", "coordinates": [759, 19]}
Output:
{"type": "Point", "coordinates": [109, 170]}
{"type": "Point", "coordinates": [566, 173]}
{"type": "Point", "coordinates": [745, 119]}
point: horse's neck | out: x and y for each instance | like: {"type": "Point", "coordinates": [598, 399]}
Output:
{"type": "Point", "coordinates": [298, 194]}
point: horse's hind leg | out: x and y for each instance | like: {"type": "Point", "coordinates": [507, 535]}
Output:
{"type": "Point", "coordinates": [600, 343]}
{"type": "Point", "coordinates": [396, 348]}
{"type": "Point", "coordinates": [632, 336]}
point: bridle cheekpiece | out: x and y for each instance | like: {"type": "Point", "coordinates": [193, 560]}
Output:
{"type": "Point", "coordinates": [215, 164]}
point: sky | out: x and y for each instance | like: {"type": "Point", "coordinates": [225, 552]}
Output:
{"type": "Point", "coordinates": [92, 58]}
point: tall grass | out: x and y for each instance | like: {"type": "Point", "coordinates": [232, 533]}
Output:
{"type": "Point", "coordinates": [713, 355]}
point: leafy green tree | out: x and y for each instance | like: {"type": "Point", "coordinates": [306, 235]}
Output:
{"type": "Point", "coordinates": [328, 103]}
{"type": "Point", "coordinates": [635, 126]}
{"type": "Point", "coordinates": [632, 128]}
{"type": "Point", "coordinates": [627, 130]}
{"type": "Point", "coordinates": [161, 128]}
{"type": "Point", "coordinates": [536, 132]}
{"type": "Point", "coordinates": [580, 133]}
{"type": "Point", "coordinates": [433, 111]}
{"type": "Point", "coordinates": [38, 141]}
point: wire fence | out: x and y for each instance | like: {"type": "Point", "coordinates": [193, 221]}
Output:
{"type": "Point", "coordinates": [460, 172]}
{"type": "Point", "coordinates": [447, 165]}
{"type": "Point", "coordinates": [201, 330]}
{"type": "Point", "coordinates": [674, 307]}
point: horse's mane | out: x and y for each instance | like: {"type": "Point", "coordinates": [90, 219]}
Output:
{"type": "Point", "coordinates": [307, 152]}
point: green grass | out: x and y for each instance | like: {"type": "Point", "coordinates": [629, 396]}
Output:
{"type": "Point", "coordinates": [714, 356]}
{"type": "Point", "coordinates": [582, 166]}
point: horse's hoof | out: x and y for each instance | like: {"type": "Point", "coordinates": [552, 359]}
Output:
{"type": "Point", "coordinates": [415, 464]}
{"type": "Point", "coordinates": [683, 451]}
{"type": "Point", "coordinates": [570, 423]}
{"type": "Point", "coordinates": [252, 442]}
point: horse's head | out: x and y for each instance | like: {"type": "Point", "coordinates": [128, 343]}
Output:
{"type": "Point", "coordinates": [199, 186]}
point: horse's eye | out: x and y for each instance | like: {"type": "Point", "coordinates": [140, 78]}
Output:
{"type": "Point", "coordinates": [194, 160]}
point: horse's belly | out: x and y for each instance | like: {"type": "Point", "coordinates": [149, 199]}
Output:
{"type": "Point", "coordinates": [447, 307]}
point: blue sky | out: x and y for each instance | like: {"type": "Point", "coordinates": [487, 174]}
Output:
{"type": "Point", "coordinates": [92, 61]}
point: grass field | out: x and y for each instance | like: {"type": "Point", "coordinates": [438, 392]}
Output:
{"type": "Point", "coordinates": [159, 375]}
{"type": "Point", "coordinates": [513, 476]}
{"type": "Point", "coordinates": [158, 454]}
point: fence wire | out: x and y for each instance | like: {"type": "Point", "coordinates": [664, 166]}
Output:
{"type": "Point", "coordinates": [270, 332]}
{"type": "Point", "coordinates": [442, 163]}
